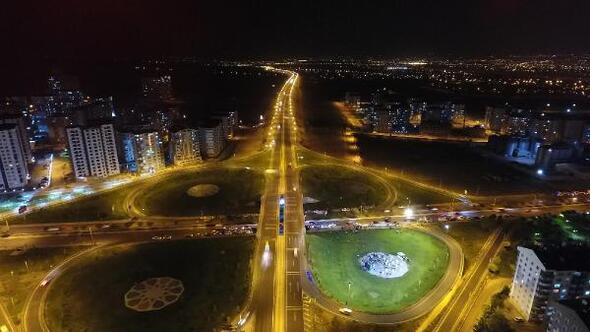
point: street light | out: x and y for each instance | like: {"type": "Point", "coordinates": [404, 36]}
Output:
{"type": "Point", "coordinates": [408, 213]}
{"type": "Point", "coordinates": [348, 299]}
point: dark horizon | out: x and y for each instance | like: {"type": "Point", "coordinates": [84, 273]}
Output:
{"type": "Point", "coordinates": [264, 29]}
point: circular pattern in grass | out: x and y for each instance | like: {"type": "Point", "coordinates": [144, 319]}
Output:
{"type": "Point", "coordinates": [153, 294]}
{"type": "Point", "coordinates": [203, 190]}
{"type": "Point", "coordinates": [214, 272]}
{"type": "Point", "coordinates": [239, 191]}
{"type": "Point", "coordinates": [334, 258]}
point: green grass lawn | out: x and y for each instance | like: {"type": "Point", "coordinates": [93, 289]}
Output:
{"type": "Point", "coordinates": [338, 187]}
{"type": "Point", "coordinates": [470, 235]}
{"type": "Point", "coordinates": [239, 192]}
{"type": "Point", "coordinates": [315, 171]}
{"type": "Point", "coordinates": [334, 260]}
{"type": "Point", "coordinates": [215, 274]}
{"type": "Point", "coordinates": [417, 194]}
{"type": "Point", "coordinates": [20, 272]}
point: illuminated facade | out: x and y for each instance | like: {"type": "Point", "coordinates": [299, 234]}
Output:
{"type": "Point", "coordinates": [184, 147]}
{"type": "Point", "coordinates": [93, 151]}
{"type": "Point", "coordinates": [536, 282]}
{"type": "Point", "coordinates": [211, 138]}
{"type": "Point", "coordinates": [13, 163]}
{"type": "Point", "coordinates": [142, 152]}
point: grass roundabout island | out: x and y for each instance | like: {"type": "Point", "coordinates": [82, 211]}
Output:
{"type": "Point", "coordinates": [388, 270]}
{"type": "Point", "coordinates": [184, 285]}
{"type": "Point", "coordinates": [203, 192]}
{"type": "Point", "coordinates": [342, 187]}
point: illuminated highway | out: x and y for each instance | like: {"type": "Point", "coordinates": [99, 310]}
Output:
{"type": "Point", "coordinates": [293, 240]}
{"type": "Point", "coordinates": [272, 299]}
{"type": "Point", "coordinates": [463, 298]}
{"type": "Point", "coordinates": [280, 263]}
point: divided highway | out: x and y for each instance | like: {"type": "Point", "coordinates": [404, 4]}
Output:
{"type": "Point", "coordinates": [277, 299]}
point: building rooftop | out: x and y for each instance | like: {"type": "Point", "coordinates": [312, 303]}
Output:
{"type": "Point", "coordinates": [178, 127]}
{"type": "Point", "coordinates": [7, 126]}
{"type": "Point", "coordinates": [91, 124]}
{"type": "Point", "coordinates": [581, 307]}
{"type": "Point", "coordinates": [10, 115]}
{"type": "Point", "coordinates": [209, 123]}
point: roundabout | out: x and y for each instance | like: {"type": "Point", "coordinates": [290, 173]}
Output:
{"type": "Point", "coordinates": [212, 191]}
{"type": "Point", "coordinates": [339, 186]}
{"type": "Point", "coordinates": [384, 276]}
{"type": "Point", "coordinates": [157, 286]}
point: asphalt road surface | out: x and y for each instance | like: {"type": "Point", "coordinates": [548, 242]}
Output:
{"type": "Point", "coordinates": [455, 311]}
{"type": "Point", "coordinates": [268, 292]}
{"type": "Point", "coordinates": [420, 308]}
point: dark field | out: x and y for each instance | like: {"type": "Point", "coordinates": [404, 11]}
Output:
{"type": "Point", "coordinates": [454, 166]}
{"type": "Point", "coordinates": [215, 274]}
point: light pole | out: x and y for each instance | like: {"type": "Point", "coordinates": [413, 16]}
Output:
{"type": "Point", "coordinates": [91, 236]}
{"type": "Point", "coordinates": [348, 299]}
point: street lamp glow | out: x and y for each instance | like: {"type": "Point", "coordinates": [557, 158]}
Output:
{"type": "Point", "coordinates": [539, 171]}
{"type": "Point", "coordinates": [408, 213]}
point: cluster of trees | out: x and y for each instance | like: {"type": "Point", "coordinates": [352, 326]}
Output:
{"type": "Point", "coordinates": [492, 320]}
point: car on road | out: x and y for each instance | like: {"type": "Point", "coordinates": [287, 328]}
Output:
{"type": "Point", "coordinates": [161, 237]}
{"type": "Point", "coordinates": [49, 277]}
{"type": "Point", "coordinates": [52, 229]}
{"type": "Point", "coordinates": [345, 311]}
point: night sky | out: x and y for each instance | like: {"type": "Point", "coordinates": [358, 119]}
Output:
{"type": "Point", "coordinates": [217, 28]}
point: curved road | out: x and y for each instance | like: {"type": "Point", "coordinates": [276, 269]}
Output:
{"type": "Point", "coordinates": [33, 317]}
{"type": "Point", "coordinates": [418, 309]}
{"type": "Point", "coordinates": [34, 320]}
